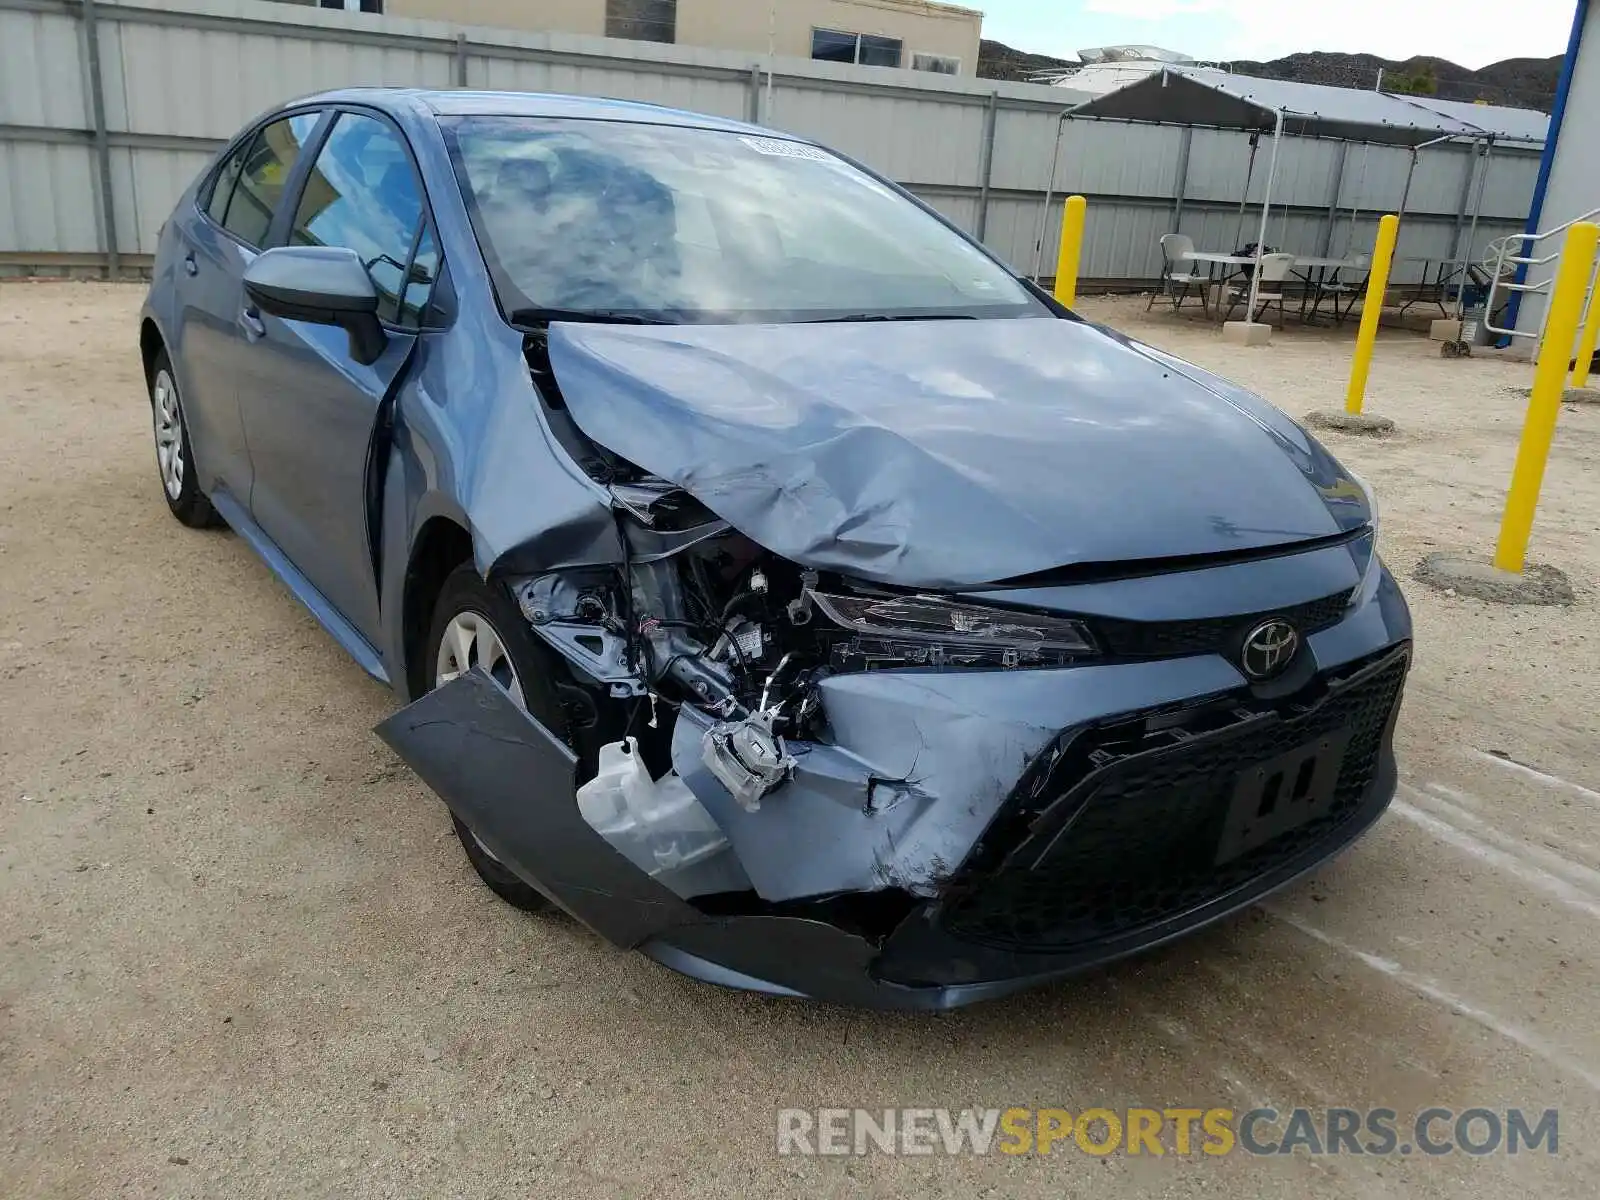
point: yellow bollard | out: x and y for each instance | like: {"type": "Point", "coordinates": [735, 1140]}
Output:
{"type": "Point", "coordinates": [1071, 249]}
{"type": "Point", "coordinates": [1371, 311]}
{"type": "Point", "coordinates": [1549, 382]}
{"type": "Point", "coordinates": [1591, 335]}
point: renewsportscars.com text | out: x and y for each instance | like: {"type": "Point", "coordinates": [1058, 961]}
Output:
{"type": "Point", "coordinates": [1157, 1132]}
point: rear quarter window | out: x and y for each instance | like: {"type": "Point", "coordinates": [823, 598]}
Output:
{"type": "Point", "coordinates": [254, 184]}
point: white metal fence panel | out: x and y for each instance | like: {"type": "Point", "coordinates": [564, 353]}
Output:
{"type": "Point", "coordinates": [618, 79]}
{"type": "Point", "coordinates": [933, 140]}
{"type": "Point", "coordinates": [1510, 186]}
{"type": "Point", "coordinates": [179, 76]}
{"type": "Point", "coordinates": [1102, 159]}
{"type": "Point", "coordinates": [35, 179]}
{"type": "Point", "coordinates": [1012, 230]}
{"type": "Point", "coordinates": [1023, 143]}
{"type": "Point", "coordinates": [166, 79]}
{"type": "Point", "coordinates": [41, 73]}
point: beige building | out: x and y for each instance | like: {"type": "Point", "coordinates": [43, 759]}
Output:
{"type": "Point", "coordinates": [916, 34]}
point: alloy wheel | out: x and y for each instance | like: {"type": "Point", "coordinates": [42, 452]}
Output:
{"type": "Point", "coordinates": [470, 640]}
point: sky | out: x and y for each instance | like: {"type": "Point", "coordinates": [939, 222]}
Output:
{"type": "Point", "coordinates": [1472, 33]}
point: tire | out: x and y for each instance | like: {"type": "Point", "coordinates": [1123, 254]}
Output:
{"type": "Point", "coordinates": [524, 668]}
{"type": "Point", "coordinates": [180, 482]}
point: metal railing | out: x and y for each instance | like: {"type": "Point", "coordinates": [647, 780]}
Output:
{"type": "Point", "coordinates": [1500, 256]}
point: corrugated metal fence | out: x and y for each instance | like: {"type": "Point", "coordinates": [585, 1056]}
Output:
{"type": "Point", "coordinates": [108, 110]}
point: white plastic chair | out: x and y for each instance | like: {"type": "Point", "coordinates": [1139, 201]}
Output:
{"type": "Point", "coordinates": [1177, 271]}
{"type": "Point", "coordinates": [1274, 270]}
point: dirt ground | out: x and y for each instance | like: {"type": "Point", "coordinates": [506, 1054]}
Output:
{"type": "Point", "coordinates": [244, 955]}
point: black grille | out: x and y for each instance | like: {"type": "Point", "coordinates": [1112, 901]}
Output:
{"type": "Point", "coordinates": [1142, 846]}
{"type": "Point", "coordinates": [1215, 635]}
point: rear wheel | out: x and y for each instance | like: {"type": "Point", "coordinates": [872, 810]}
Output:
{"type": "Point", "coordinates": [476, 626]}
{"type": "Point", "coordinates": [174, 459]}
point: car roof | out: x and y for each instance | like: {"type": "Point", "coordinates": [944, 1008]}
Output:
{"type": "Point", "coordinates": [461, 102]}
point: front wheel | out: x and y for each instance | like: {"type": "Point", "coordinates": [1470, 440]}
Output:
{"type": "Point", "coordinates": [477, 627]}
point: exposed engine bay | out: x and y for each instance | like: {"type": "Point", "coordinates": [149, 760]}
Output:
{"type": "Point", "coordinates": [744, 636]}
{"type": "Point", "coordinates": [720, 625]}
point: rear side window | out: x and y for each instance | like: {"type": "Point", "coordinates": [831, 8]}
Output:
{"type": "Point", "coordinates": [222, 187]}
{"type": "Point", "coordinates": [259, 178]}
{"type": "Point", "coordinates": [363, 194]}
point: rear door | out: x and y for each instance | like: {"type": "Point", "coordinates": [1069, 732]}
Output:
{"type": "Point", "coordinates": [216, 243]}
{"type": "Point", "coordinates": [308, 407]}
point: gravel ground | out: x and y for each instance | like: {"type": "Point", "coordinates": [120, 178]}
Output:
{"type": "Point", "coordinates": [244, 956]}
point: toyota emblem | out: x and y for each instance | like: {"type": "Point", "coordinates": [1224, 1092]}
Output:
{"type": "Point", "coordinates": [1268, 648]}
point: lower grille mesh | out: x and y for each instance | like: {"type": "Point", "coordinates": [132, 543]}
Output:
{"type": "Point", "coordinates": [1142, 847]}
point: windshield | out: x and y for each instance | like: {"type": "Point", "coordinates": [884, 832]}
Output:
{"type": "Point", "coordinates": [616, 221]}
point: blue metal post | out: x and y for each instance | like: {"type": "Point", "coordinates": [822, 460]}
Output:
{"type": "Point", "coordinates": [1547, 161]}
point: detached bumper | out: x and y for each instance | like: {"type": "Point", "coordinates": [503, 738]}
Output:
{"type": "Point", "coordinates": [1006, 879]}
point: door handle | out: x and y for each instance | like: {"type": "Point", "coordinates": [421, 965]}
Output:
{"type": "Point", "coordinates": [250, 320]}
{"type": "Point", "coordinates": [190, 267]}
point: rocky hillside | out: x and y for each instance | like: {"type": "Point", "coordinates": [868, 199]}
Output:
{"type": "Point", "coordinates": [1520, 82]}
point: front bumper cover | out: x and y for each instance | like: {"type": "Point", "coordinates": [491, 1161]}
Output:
{"type": "Point", "coordinates": [513, 782]}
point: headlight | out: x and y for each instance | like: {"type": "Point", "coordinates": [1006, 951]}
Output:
{"type": "Point", "coordinates": [934, 631]}
{"type": "Point", "coordinates": [1369, 572]}
{"type": "Point", "coordinates": [1372, 500]}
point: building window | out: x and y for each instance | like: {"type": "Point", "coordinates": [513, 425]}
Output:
{"type": "Point", "coordinates": [943, 64]}
{"type": "Point", "coordinates": [642, 20]}
{"type": "Point", "coordinates": [863, 49]}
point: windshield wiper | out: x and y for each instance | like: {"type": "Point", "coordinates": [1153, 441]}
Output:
{"type": "Point", "coordinates": [593, 316]}
{"type": "Point", "coordinates": [943, 316]}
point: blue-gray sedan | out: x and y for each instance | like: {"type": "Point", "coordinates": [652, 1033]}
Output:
{"type": "Point", "coordinates": [772, 579]}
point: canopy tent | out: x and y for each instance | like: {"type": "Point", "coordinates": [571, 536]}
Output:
{"type": "Point", "coordinates": [1211, 98]}
{"type": "Point", "coordinates": [1203, 97]}
{"type": "Point", "coordinates": [1522, 125]}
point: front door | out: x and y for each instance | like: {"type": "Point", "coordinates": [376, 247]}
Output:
{"type": "Point", "coordinates": [309, 408]}
{"type": "Point", "coordinates": [216, 243]}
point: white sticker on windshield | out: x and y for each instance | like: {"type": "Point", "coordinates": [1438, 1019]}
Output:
{"type": "Point", "coordinates": [779, 148]}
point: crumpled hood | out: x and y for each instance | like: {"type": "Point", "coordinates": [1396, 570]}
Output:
{"type": "Point", "coordinates": [951, 453]}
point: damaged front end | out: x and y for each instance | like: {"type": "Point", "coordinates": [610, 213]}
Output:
{"type": "Point", "coordinates": [807, 748]}
{"type": "Point", "coordinates": [806, 784]}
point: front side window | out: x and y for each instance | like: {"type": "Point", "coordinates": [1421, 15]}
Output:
{"type": "Point", "coordinates": [260, 177]}
{"type": "Point", "coordinates": [363, 194]}
{"type": "Point", "coordinates": [865, 49]}
{"type": "Point", "coordinates": [709, 226]}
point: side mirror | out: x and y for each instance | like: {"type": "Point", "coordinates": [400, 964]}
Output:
{"type": "Point", "coordinates": [324, 284]}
